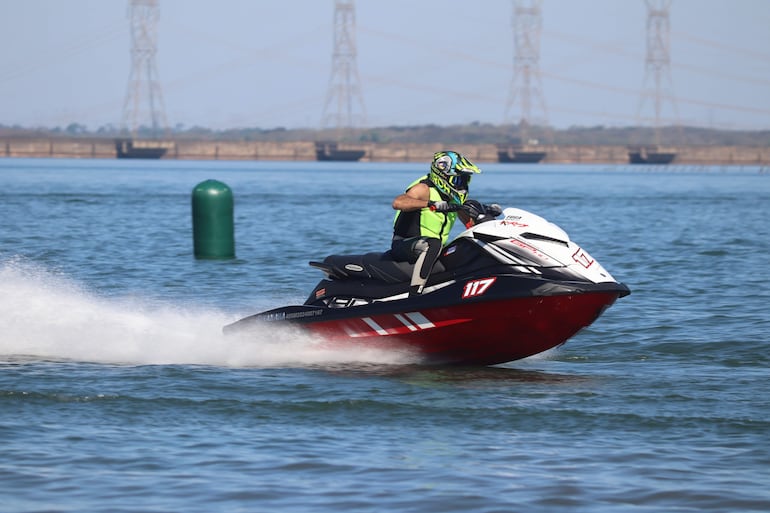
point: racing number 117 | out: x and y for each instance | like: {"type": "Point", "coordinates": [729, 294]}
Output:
{"type": "Point", "coordinates": [477, 287]}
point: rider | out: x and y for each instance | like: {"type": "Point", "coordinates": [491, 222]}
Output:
{"type": "Point", "coordinates": [427, 211]}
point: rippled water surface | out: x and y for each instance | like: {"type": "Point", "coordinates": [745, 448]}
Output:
{"type": "Point", "coordinates": [119, 393]}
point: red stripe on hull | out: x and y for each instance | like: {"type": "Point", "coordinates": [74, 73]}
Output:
{"type": "Point", "coordinates": [482, 333]}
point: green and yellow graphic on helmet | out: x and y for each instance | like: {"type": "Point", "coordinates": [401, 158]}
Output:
{"type": "Point", "coordinates": [451, 174]}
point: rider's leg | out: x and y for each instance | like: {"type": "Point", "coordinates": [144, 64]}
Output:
{"type": "Point", "coordinates": [427, 251]}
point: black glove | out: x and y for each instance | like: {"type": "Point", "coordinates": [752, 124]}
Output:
{"type": "Point", "coordinates": [440, 206]}
{"type": "Point", "coordinates": [494, 210]}
{"type": "Point", "coordinates": [474, 208]}
{"type": "Point", "coordinates": [480, 212]}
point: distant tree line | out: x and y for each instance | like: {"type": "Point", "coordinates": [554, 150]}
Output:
{"type": "Point", "coordinates": [473, 133]}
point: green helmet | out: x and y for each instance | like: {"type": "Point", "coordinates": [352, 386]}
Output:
{"type": "Point", "coordinates": [451, 174]}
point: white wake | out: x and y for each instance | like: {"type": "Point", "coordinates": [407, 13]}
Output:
{"type": "Point", "coordinates": [47, 316]}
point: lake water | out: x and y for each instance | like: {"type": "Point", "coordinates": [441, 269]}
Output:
{"type": "Point", "coordinates": [118, 391]}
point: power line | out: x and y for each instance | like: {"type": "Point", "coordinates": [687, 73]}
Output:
{"type": "Point", "coordinates": [98, 40]}
{"type": "Point", "coordinates": [754, 54]}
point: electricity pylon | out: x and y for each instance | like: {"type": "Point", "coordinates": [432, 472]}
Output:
{"type": "Point", "coordinates": [143, 106]}
{"type": "Point", "coordinates": [344, 106]}
{"type": "Point", "coordinates": [658, 87]}
{"type": "Point", "coordinates": [526, 104]}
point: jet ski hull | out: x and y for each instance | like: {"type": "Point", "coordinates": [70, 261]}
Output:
{"type": "Point", "coordinates": [475, 332]}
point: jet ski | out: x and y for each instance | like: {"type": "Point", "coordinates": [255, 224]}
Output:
{"type": "Point", "coordinates": [509, 287]}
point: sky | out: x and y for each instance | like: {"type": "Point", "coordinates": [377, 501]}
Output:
{"type": "Point", "coordinates": [267, 63]}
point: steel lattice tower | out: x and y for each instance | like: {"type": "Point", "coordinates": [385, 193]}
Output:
{"type": "Point", "coordinates": [658, 88]}
{"type": "Point", "coordinates": [526, 105]}
{"type": "Point", "coordinates": [344, 106]}
{"type": "Point", "coordinates": [143, 105]}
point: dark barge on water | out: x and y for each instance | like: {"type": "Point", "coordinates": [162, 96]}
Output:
{"type": "Point", "coordinates": [127, 148]}
{"type": "Point", "coordinates": [651, 155]}
{"type": "Point", "coordinates": [520, 154]}
{"type": "Point", "coordinates": [330, 151]}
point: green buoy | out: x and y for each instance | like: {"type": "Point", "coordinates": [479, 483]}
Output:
{"type": "Point", "coordinates": [212, 213]}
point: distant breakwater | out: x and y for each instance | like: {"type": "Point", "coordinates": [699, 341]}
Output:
{"type": "Point", "coordinates": [30, 147]}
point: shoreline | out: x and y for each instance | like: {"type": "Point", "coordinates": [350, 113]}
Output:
{"type": "Point", "coordinates": [47, 147]}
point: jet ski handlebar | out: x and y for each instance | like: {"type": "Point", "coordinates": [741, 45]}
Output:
{"type": "Point", "coordinates": [445, 206]}
{"type": "Point", "coordinates": [481, 212]}
{"type": "Point", "coordinates": [475, 209]}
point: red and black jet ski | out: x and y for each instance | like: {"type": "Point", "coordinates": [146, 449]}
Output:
{"type": "Point", "coordinates": [502, 290]}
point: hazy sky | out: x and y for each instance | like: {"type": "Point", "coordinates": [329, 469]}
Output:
{"type": "Point", "coordinates": [266, 63]}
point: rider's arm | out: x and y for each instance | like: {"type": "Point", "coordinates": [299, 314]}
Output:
{"type": "Point", "coordinates": [414, 199]}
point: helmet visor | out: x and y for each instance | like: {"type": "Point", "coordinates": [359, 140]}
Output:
{"type": "Point", "coordinates": [459, 182]}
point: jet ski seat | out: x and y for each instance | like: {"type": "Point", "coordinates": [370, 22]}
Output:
{"type": "Point", "coordinates": [377, 266]}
